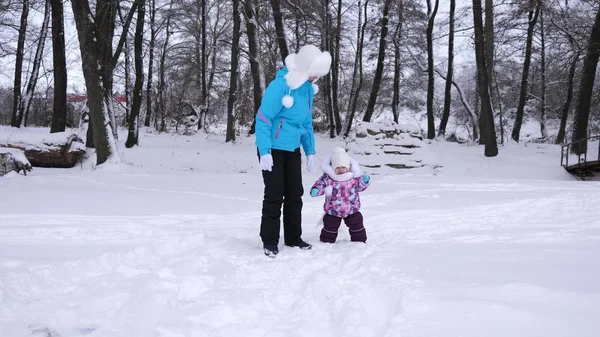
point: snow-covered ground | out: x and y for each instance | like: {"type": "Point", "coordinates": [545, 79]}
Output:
{"type": "Point", "coordinates": [167, 245]}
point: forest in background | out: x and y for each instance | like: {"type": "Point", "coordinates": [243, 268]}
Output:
{"type": "Point", "coordinates": [482, 67]}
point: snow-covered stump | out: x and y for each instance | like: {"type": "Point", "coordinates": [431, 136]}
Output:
{"type": "Point", "coordinates": [386, 144]}
{"type": "Point", "coordinates": [13, 160]}
{"type": "Point", "coordinates": [60, 150]}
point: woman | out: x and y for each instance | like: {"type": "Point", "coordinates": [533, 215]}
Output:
{"type": "Point", "coordinates": [283, 123]}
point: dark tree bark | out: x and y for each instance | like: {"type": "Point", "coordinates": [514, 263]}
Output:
{"type": "Point", "coordinates": [327, 92]}
{"type": "Point", "coordinates": [149, 95]}
{"type": "Point", "coordinates": [255, 67]}
{"type": "Point", "coordinates": [203, 69]}
{"type": "Point", "coordinates": [491, 146]}
{"type": "Point", "coordinates": [430, 70]}
{"type": "Point", "coordinates": [489, 42]}
{"type": "Point", "coordinates": [560, 138]}
{"type": "Point", "coordinates": [396, 85]}
{"type": "Point", "coordinates": [279, 29]}
{"type": "Point", "coordinates": [449, 73]}
{"type": "Point", "coordinates": [380, 61]}
{"type": "Point", "coordinates": [533, 16]}
{"type": "Point", "coordinates": [586, 87]}
{"type": "Point", "coordinates": [127, 66]}
{"type": "Point", "coordinates": [355, 90]}
{"type": "Point", "coordinates": [161, 73]}
{"type": "Point", "coordinates": [132, 135]}
{"type": "Point", "coordinates": [35, 68]}
{"type": "Point", "coordinates": [59, 107]}
{"type": "Point", "coordinates": [17, 119]}
{"type": "Point", "coordinates": [93, 33]}
{"type": "Point", "coordinates": [335, 69]}
{"type": "Point", "coordinates": [233, 79]}
{"type": "Point", "coordinates": [543, 129]}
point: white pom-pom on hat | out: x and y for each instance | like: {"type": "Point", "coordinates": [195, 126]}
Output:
{"type": "Point", "coordinates": [315, 88]}
{"type": "Point", "coordinates": [287, 101]}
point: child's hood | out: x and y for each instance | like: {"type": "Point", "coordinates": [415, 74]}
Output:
{"type": "Point", "coordinates": [355, 170]}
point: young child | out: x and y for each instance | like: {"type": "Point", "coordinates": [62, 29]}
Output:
{"type": "Point", "coordinates": [341, 183]}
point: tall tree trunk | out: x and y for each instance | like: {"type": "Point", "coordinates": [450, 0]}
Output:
{"type": "Point", "coordinates": [59, 105]}
{"type": "Point", "coordinates": [543, 129]}
{"type": "Point", "coordinates": [430, 71]}
{"type": "Point", "coordinates": [161, 73]}
{"type": "Point", "coordinates": [489, 44]}
{"type": "Point", "coordinates": [335, 70]}
{"type": "Point", "coordinates": [380, 61]}
{"type": "Point", "coordinates": [35, 68]}
{"type": "Point", "coordinates": [255, 66]}
{"type": "Point", "coordinates": [355, 90]}
{"type": "Point", "coordinates": [491, 146]}
{"type": "Point", "coordinates": [203, 70]}
{"type": "Point", "coordinates": [99, 97]}
{"type": "Point", "coordinates": [586, 87]}
{"type": "Point", "coordinates": [280, 29]}
{"type": "Point", "coordinates": [449, 74]}
{"type": "Point", "coordinates": [327, 92]}
{"type": "Point", "coordinates": [396, 85]}
{"type": "Point", "coordinates": [560, 138]}
{"type": "Point", "coordinates": [127, 67]}
{"type": "Point", "coordinates": [149, 95]}
{"type": "Point", "coordinates": [17, 118]}
{"type": "Point", "coordinates": [232, 101]}
{"type": "Point", "coordinates": [533, 15]}
{"type": "Point", "coordinates": [132, 135]}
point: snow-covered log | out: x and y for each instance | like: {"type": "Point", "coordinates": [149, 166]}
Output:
{"type": "Point", "coordinates": [13, 160]}
{"type": "Point", "coordinates": [55, 150]}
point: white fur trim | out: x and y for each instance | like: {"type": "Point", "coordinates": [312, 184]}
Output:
{"type": "Point", "coordinates": [315, 88]}
{"type": "Point", "coordinates": [320, 65]}
{"type": "Point", "coordinates": [287, 101]}
{"type": "Point", "coordinates": [355, 168]}
{"type": "Point", "coordinates": [295, 79]}
{"type": "Point", "coordinates": [290, 62]}
{"type": "Point", "coordinates": [328, 169]}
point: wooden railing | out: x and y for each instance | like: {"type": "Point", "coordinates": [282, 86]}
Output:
{"type": "Point", "coordinates": [582, 158]}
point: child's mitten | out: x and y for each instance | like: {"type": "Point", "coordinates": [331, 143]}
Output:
{"type": "Point", "coordinates": [314, 191]}
{"type": "Point", "coordinates": [366, 178]}
{"type": "Point", "coordinates": [328, 190]}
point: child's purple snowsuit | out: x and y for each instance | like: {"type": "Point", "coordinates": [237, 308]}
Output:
{"type": "Point", "coordinates": [343, 203]}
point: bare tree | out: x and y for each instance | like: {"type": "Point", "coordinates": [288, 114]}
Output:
{"type": "Point", "coordinates": [255, 65]}
{"type": "Point", "coordinates": [151, 45]}
{"type": "Point", "coordinates": [586, 87]}
{"type": "Point", "coordinates": [232, 101]}
{"type": "Point", "coordinates": [380, 61]}
{"type": "Point", "coordinates": [430, 71]}
{"type": "Point", "coordinates": [543, 129]}
{"type": "Point", "coordinates": [491, 146]}
{"type": "Point", "coordinates": [396, 40]}
{"type": "Point", "coordinates": [533, 16]}
{"type": "Point", "coordinates": [133, 125]}
{"type": "Point", "coordinates": [17, 118]}
{"type": "Point", "coordinates": [357, 74]}
{"type": "Point", "coordinates": [59, 108]}
{"type": "Point", "coordinates": [335, 69]}
{"type": "Point", "coordinates": [279, 28]}
{"type": "Point", "coordinates": [25, 104]}
{"type": "Point", "coordinates": [449, 73]}
{"type": "Point", "coordinates": [95, 33]}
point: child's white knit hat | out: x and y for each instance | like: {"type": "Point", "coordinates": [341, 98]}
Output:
{"type": "Point", "coordinates": [340, 158]}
